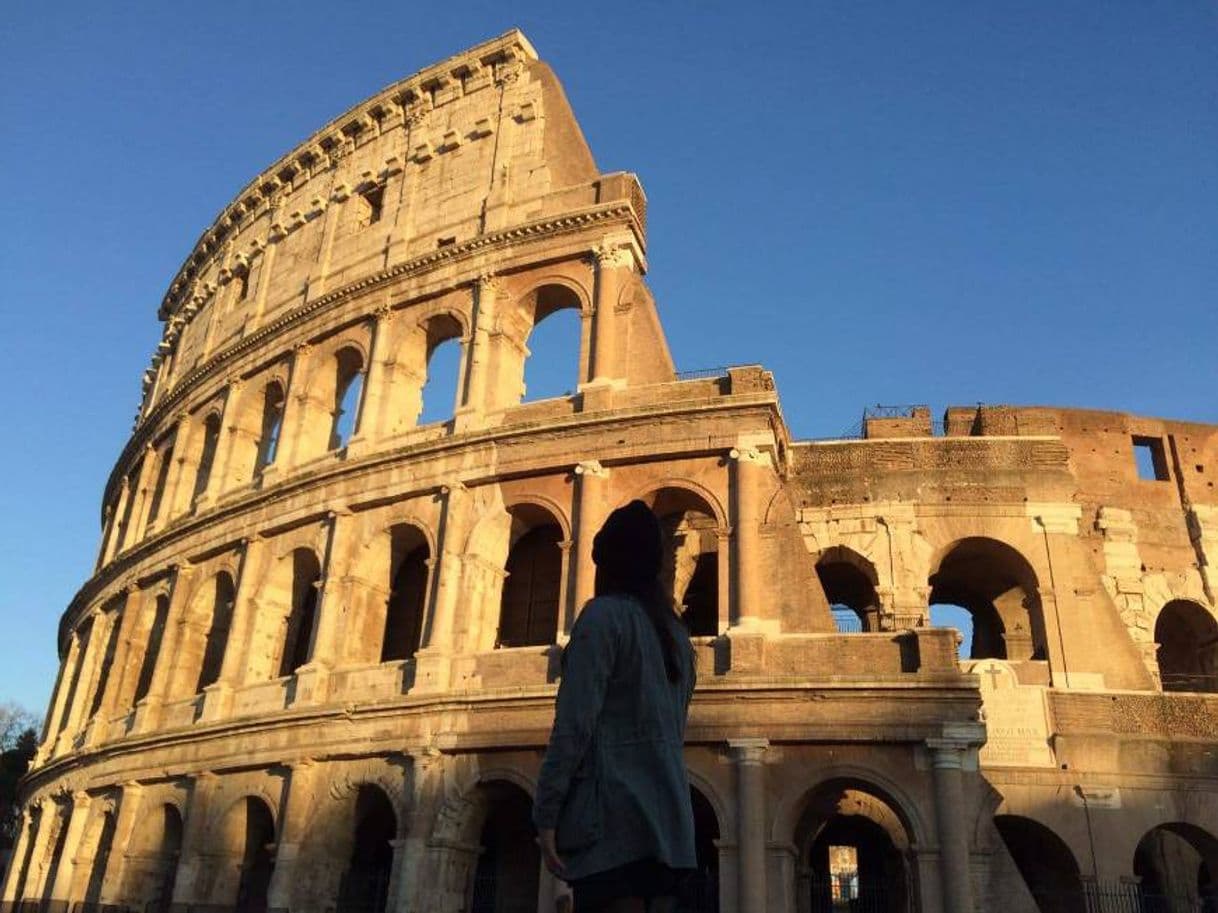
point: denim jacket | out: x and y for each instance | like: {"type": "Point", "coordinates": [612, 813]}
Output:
{"type": "Point", "coordinates": [613, 783]}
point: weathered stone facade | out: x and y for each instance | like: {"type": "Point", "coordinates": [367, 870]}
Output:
{"type": "Point", "coordinates": [316, 663]}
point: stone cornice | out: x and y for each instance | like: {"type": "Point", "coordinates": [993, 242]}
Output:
{"type": "Point", "coordinates": [738, 693]}
{"type": "Point", "coordinates": [541, 229]}
{"type": "Point", "coordinates": [335, 135]}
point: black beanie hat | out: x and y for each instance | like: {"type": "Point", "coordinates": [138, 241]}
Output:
{"type": "Point", "coordinates": [630, 544]}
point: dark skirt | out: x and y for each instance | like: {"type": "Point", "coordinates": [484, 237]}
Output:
{"type": "Point", "coordinates": [645, 878]}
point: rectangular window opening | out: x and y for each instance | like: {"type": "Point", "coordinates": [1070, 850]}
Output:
{"type": "Point", "coordinates": [446, 242]}
{"type": "Point", "coordinates": [1150, 459]}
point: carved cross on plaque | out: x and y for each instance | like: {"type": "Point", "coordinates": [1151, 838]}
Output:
{"type": "Point", "coordinates": [994, 673]}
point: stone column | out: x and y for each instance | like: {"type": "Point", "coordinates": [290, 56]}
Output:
{"type": "Point", "coordinates": [65, 869]}
{"type": "Point", "coordinates": [49, 822]}
{"type": "Point", "coordinates": [369, 424]}
{"type": "Point", "coordinates": [59, 706]}
{"type": "Point", "coordinates": [748, 468]}
{"type": "Point", "coordinates": [193, 856]}
{"type": "Point", "coordinates": [747, 754]}
{"type": "Point", "coordinates": [592, 480]}
{"type": "Point", "coordinates": [433, 662]}
{"type": "Point", "coordinates": [89, 661]}
{"type": "Point", "coordinates": [122, 678]}
{"type": "Point", "coordinates": [124, 826]}
{"type": "Point", "coordinates": [148, 710]}
{"type": "Point", "coordinates": [17, 859]}
{"type": "Point", "coordinates": [313, 679]}
{"type": "Point", "coordinates": [1058, 527]}
{"type": "Point", "coordinates": [613, 268]}
{"type": "Point", "coordinates": [477, 355]}
{"type": "Point", "coordinates": [951, 818]}
{"type": "Point", "coordinates": [293, 817]}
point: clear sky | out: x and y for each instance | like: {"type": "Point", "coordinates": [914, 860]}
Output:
{"type": "Point", "coordinates": [883, 202]}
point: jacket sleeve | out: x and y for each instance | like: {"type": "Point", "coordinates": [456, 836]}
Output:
{"type": "Point", "coordinates": [587, 666]}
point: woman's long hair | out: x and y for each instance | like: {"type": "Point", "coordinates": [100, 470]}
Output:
{"type": "Point", "coordinates": [629, 552]}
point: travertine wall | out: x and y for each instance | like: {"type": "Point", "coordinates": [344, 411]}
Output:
{"type": "Point", "coordinates": [315, 665]}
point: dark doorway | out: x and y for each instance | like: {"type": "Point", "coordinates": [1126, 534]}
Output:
{"type": "Point", "coordinates": [365, 884]}
{"type": "Point", "coordinates": [1045, 862]}
{"type": "Point", "coordinates": [508, 870]}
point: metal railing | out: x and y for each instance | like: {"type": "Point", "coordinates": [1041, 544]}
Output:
{"type": "Point", "coordinates": [703, 373]}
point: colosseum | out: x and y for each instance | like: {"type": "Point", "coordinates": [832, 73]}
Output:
{"type": "Point", "coordinates": [314, 668]}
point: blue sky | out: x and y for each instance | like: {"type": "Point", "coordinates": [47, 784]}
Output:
{"type": "Point", "coordinates": [883, 202]}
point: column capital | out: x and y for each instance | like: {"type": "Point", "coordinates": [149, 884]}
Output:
{"type": "Point", "coordinates": [591, 469]}
{"type": "Point", "coordinates": [748, 750]}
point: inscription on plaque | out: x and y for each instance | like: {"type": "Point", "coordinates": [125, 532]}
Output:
{"type": "Point", "coordinates": [1016, 720]}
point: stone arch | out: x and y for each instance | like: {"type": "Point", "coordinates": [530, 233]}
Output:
{"type": "Point", "coordinates": [210, 426]}
{"type": "Point", "coordinates": [242, 842]}
{"type": "Point", "coordinates": [1177, 867]}
{"type": "Point", "coordinates": [1045, 862]}
{"type": "Point", "coordinates": [280, 606]}
{"type": "Point", "coordinates": [854, 842]}
{"type": "Point", "coordinates": [151, 869]}
{"type": "Point", "coordinates": [998, 587]}
{"type": "Point", "coordinates": [364, 884]}
{"type": "Point", "coordinates": [100, 843]}
{"type": "Point", "coordinates": [532, 591]}
{"type": "Point", "coordinates": [255, 421]}
{"type": "Point", "coordinates": [329, 389]}
{"type": "Point", "coordinates": [204, 634]}
{"type": "Point", "coordinates": [792, 805]}
{"type": "Point", "coordinates": [1186, 641]}
{"type": "Point", "coordinates": [694, 565]}
{"type": "Point", "coordinates": [407, 600]}
{"type": "Point", "coordinates": [532, 309]}
{"type": "Point", "coordinates": [153, 642]}
{"type": "Point", "coordinates": [850, 583]}
{"type": "Point", "coordinates": [702, 889]}
{"type": "Point", "coordinates": [442, 330]}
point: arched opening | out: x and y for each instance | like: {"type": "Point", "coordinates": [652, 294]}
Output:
{"type": "Point", "coordinates": [207, 456]}
{"type": "Point", "coordinates": [700, 892]}
{"type": "Point", "coordinates": [302, 617]}
{"type": "Point", "coordinates": [131, 489]}
{"type": "Point", "coordinates": [409, 565]}
{"type": "Point", "coordinates": [1045, 863]}
{"type": "Point", "coordinates": [849, 581]}
{"type": "Point", "coordinates": [1177, 867]}
{"type": "Point", "coordinates": [507, 875]}
{"type": "Point", "coordinates": [690, 572]}
{"type": "Point", "coordinates": [348, 384]}
{"type": "Point", "coordinates": [83, 635]}
{"type": "Point", "coordinates": [223, 597]}
{"type": "Point", "coordinates": [553, 364]}
{"type": "Point", "coordinates": [152, 865]}
{"type": "Point", "coordinates": [528, 610]}
{"type": "Point", "coordinates": [156, 633]}
{"type": "Point", "coordinates": [164, 464]}
{"type": "Point", "coordinates": [440, 394]}
{"type": "Point", "coordinates": [273, 401]}
{"type": "Point", "coordinates": [101, 859]}
{"type": "Point", "coordinates": [365, 883]}
{"type": "Point", "coordinates": [853, 851]}
{"type": "Point", "coordinates": [1186, 636]}
{"type": "Point", "coordinates": [997, 587]}
{"type": "Point", "coordinates": [247, 839]}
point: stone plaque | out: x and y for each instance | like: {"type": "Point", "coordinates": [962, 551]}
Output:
{"type": "Point", "coordinates": [1016, 719]}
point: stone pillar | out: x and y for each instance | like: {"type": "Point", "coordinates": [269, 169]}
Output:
{"type": "Point", "coordinates": [49, 822]}
{"type": "Point", "coordinates": [614, 266]}
{"type": "Point", "coordinates": [1058, 527]}
{"type": "Point", "coordinates": [434, 660]}
{"type": "Point", "coordinates": [218, 696]}
{"type": "Point", "coordinates": [122, 678]}
{"type": "Point", "coordinates": [65, 870]}
{"type": "Point", "coordinates": [89, 661]}
{"type": "Point", "coordinates": [749, 468]}
{"type": "Point", "coordinates": [369, 424]}
{"type": "Point", "coordinates": [473, 403]}
{"type": "Point", "coordinates": [124, 827]}
{"type": "Point", "coordinates": [293, 817]}
{"type": "Point", "coordinates": [592, 480]}
{"type": "Point", "coordinates": [747, 754]}
{"type": "Point", "coordinates": [59, 705]}
{"type": "Point", "coordinates": [300, 408]}
{"type": "Point", "coordinates": [313, 679]}
{"type": "Point", "coordinates": [149, 709]}
{"type": "Point", "coordinates": [17, 859]}
{"type": "Point", "coordinates": [193, 855]}
{"type": "Point", "coordinates": [951, 818]}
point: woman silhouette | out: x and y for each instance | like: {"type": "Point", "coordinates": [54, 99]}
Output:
{"type": "Point", "coordinates": [613, 810]}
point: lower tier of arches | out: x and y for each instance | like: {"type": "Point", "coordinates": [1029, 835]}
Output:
{"type": "Point", "coordinates": [894, 828]}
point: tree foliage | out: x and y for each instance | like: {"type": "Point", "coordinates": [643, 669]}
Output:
{"type": "Point", "coordinates": [18, 742]}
